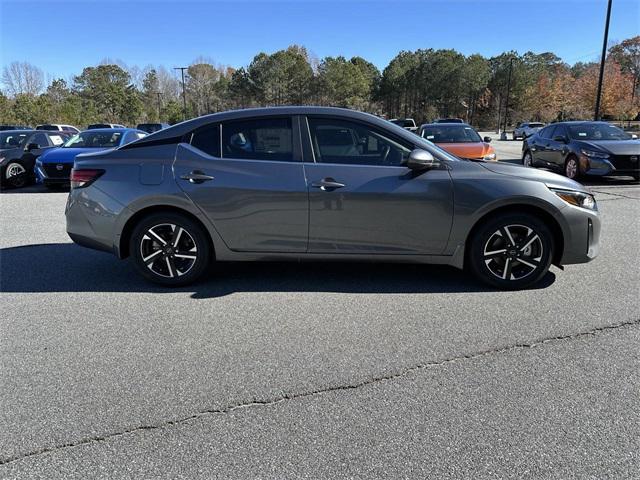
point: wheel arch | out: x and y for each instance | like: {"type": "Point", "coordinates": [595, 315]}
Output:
{"type": "Point", "coordinates": [127, 230]}
{"type": "Point", "coordinates": [539, 212]}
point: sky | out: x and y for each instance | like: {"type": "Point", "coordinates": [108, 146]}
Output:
{"type": "Point", "coordinates": [63, 36]}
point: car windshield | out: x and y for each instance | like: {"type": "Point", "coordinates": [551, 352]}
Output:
{"type": "Point", "coordinates": [450, 134]}
{"type": "Point", "coordinates": [94, 140]}
{"type": "Point", "coordinates": [12, 139]}
{"type": "Point", "coordinates": [536, 125]}
{"type": "Point", "coordinates": [597, 131]}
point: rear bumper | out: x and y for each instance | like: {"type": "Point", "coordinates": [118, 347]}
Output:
{"type": "Point", "coordinates": [91, 217]}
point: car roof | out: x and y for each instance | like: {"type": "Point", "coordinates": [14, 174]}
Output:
{"type": "Point", "coordinates": [112, 130]}
{"type": "Point", "coordinates": [187, 126]}
{"type": "Point", "coordinates": [18, 131]}
{"type": "Point", "coordinates": [446, 124]}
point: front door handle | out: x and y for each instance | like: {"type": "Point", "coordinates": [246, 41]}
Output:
{"type": "Point", "coordinates": [327, 184]}
{"type": "Point", "coordinates": [196, 176]}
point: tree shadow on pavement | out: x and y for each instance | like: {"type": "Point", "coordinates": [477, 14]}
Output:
{"type": "Point", "coordinates": [66, 267]}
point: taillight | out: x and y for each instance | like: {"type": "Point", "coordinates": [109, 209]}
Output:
{"type": "Point", "coordinates": [83, 177]}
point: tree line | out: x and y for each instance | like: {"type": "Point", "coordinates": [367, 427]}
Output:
{"type": "Point", "coordinates": [422, 84]}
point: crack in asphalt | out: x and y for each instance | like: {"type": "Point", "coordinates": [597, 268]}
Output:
{"type": "Point", "coordinates": [293, 396]}
{"type": "Point", "coordinates": [615, 195]}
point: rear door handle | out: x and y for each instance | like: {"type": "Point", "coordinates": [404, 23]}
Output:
{"type": "Point", "coordinates": [327, 184]}
{"type": "Point", "coordinates": [196, 176]}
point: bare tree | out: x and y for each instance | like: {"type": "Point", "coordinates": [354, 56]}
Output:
{"type": "Point", "coordinates": [22, 78]}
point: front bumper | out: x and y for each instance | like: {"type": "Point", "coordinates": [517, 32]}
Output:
{"type": "Point", "coordinates": [53, 173]}
{"type": "Point", "coordinates": [581, 230]}
{"type": "Point", "coordinates": [608, 167]}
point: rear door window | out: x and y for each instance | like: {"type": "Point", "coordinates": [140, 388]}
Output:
{"type": "Point", "coordinates": [258, 139]}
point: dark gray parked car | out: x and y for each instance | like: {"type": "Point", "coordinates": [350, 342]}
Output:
{"type": "Point", "coordinates": [317, 183]}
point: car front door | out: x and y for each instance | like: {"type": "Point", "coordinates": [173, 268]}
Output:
{"type": "Point", "coordinates": [362, 200]}
{"type": "Point", "coordinates": [557, 149]}
{"type": "Point", "coordinates": [247, 177]}
{"type": "Point", "coordinates": [541, 144]}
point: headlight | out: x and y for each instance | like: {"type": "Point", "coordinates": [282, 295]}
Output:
{"type": "Point", "coordinates": [594, 154]}
{"type": "Point", "coordinates": [490, 157]}
{"type": "Point", "coordinates": [578, 199]}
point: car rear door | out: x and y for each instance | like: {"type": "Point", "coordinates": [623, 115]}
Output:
{"type": "Point", "coordinates": [247, 177]}
{"type": "Point", "coordinates": [363, 201]}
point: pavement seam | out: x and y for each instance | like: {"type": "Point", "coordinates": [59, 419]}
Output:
{"type": "Point", "coordinates": [615, 194]}
{"type": "Point", "coordinates": [293, 396]}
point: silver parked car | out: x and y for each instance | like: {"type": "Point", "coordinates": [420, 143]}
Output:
{"type": "Point", "coordinates": [526, 129]}
{"type": "Point", "coordinates": [313, 183]}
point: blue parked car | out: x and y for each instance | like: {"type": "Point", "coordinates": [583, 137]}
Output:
{"type": "Point", "coordinates": [53, 168]}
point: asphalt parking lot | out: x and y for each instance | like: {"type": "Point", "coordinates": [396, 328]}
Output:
{"type": "Point", "coordinates": [315, 370]}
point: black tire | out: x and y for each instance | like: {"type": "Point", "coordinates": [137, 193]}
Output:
{"type": "Point", "coordinates": [568, 169]}
{"type": "Point", "coordinates": [166, 266]}
{"type": "Point", "coordinates": [524, 159]}
{"type": "Point", "coordinates": [17, 181]}
{"type": "Point", "coordinates": [522, 228]}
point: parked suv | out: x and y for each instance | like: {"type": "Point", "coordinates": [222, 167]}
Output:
{"type": "Point", "coordinates": [526, 129]}
{"type": "Point", "coordinates": [318, 183]}
{"type": "Point", "coordinates": [583, 148]}
{"type": "Point", "coordinates": [56, 127]}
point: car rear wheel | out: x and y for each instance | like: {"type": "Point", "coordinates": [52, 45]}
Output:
{"type": "Point", "coordinates": [571, 168]}
{"type": "Point", "coordinates": [527, 159]}
{"type": "Point", "coordinates": [170, 249]}
{"type": "Point", "coordinates": [511, 252]}
{"type": "Point", "coordinates": [15, 175]}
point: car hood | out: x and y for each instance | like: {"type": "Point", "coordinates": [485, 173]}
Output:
{"type": "Point", "coordinates": [615, 147]}
{"type": "Point", "coordinates": [467, 149]}
{"type": "Point", "coordinates": [66, 155]}
{"type": "Point", "coordinates": [548, 178]}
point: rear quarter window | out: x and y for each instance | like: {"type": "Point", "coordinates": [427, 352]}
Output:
{"type": "Point", "coordinates": [207, 139]}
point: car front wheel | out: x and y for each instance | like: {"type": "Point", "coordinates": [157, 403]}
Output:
{"type": "Point", "coordinates": [527, 160]}
{"type": "Point", "coordinates": [571, 168]}
{"type": "Point", "coordinates": [170, 249]}
{"type": "Point", "coordinates": [15, 175]}
{"type": "Point", "coordinates": [511, 252]}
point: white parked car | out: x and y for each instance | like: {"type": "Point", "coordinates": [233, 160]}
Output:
{"type": "Point", "coordinates": [406, 123]}
{"type": "Point", "coordinates": [526, 129]}
{"type": "Point", "coordinates": [57, 127]}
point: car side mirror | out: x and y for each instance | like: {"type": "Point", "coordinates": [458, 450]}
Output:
{"type": "Point", "coordinates": [32, 146]}
{"type": "Point", "coordinates": [560, 138]}
{"type": "Point", "coordinates": [421, 160]}
{"type": "Point", "coordinates": [487, 139]}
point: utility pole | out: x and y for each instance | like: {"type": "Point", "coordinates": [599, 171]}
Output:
{"type": "Point", "coordinates": [159, 94]}
{"type": "Point", "coordinates": [596, 115]}
{"type": "Point", "coordinates": [506, 105]}
{"type": "Point", "coordinates": [184, 95]}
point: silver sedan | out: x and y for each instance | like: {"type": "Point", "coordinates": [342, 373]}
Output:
{"type": "Point", "coordinates": [313, 183]}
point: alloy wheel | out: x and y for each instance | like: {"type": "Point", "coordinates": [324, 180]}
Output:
{"type": "Point", "coordinates": [571, 168]}
{"type": "Point", "coordinates": [15, 175]}
{"type": "Point", "coordinates": [168, 250]}
{"type": "Point", "coordinates": [513, 252]}
{"type": "Point", "coordinates": [527, 159]}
